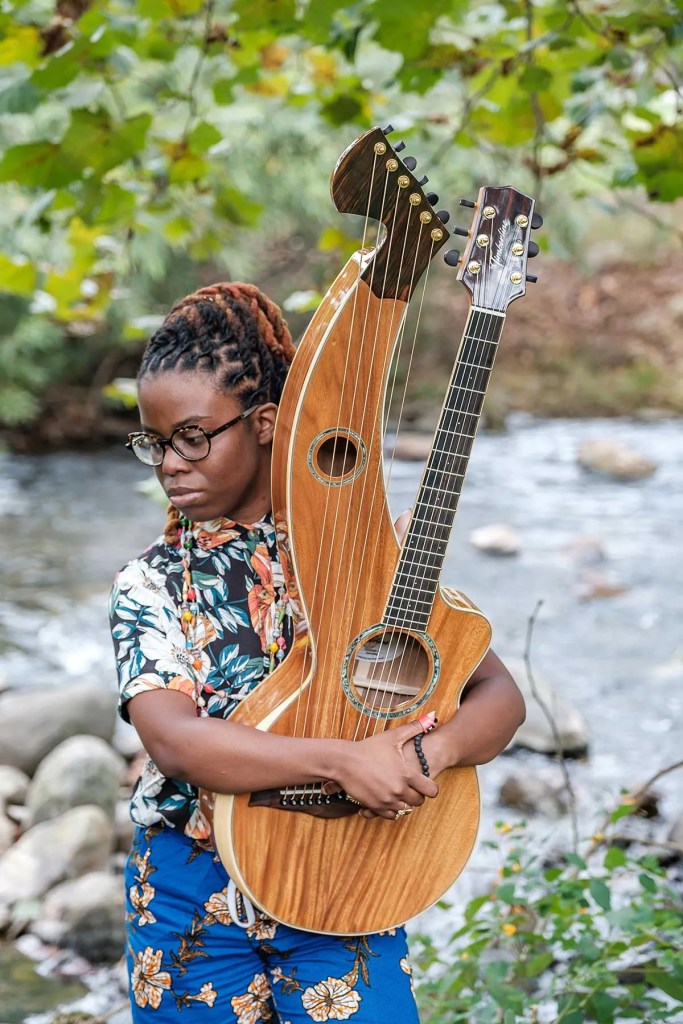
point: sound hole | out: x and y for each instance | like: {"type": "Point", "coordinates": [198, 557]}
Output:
{"type": "Point", "coordinates": [336, 457]}
{"type": "Point", "coordinates": [389, 670]}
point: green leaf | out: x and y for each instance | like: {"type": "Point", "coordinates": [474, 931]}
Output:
{"type": "Point", "coordinates": [665, 982]}
{"type": "Point", "coordinates": [203, 136]}
{"type": "Point", "coordinates": [579, 862]}
{"type": "Point", "coordinates": [16, 278]}
{"type": "Point", "coordinates": [40, 165]}
{"type": "Point", "coordinates": [101, 143]}
{"type": "Point", "coordinates": [535, 78]}
{"type": "Point", "coordinates": [600, 893]}
{"type": "Point", "coordinates": [614, 858]}
{"type": "Point", "coordinates": [19, 98]}
{"type": "Point", "coordinates": [647, 883]}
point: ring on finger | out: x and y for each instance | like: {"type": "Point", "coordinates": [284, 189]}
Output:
{"type": "Point", "coordinates": [406, 809]}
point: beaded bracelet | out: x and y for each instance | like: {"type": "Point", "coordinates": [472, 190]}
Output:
{"type": "Point", "coordinates": [417, 740]}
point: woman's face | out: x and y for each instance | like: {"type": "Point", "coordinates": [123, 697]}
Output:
{"type": "Point", "coordinates": [234, 479]}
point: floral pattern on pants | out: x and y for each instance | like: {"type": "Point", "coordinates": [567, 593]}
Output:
{"type": "Point", "coordinates": [188, 958]}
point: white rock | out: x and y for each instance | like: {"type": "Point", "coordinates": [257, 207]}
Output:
{"type": "Point", "coordinates": [536, 733]}
{"type": "Point", "coordinates": [85, 914]}
{"type": "Point", "coordinates": [125, 740]}
{"type": "Point", "coordinates": [614, 458]}
{"type": "Point", "coordinates": [496, 539]}
{"type": "Point", "coordinates": [7, 830]}
{"type": "Point", "coordinates": [66, 847]}
{"type": "Point", "coordinates": [30, 729]}
{"type": "Point", "coordinates": [81, 770]}
{"type": "Point", "coordinates": [13, 785]}
{"type": "Point", "coordinates": [676, 833]}
{"type": "Point", "coordinates": [412, 446]}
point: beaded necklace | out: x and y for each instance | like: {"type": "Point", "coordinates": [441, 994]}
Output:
{"type": "Point", "coordinates": [275, 643]}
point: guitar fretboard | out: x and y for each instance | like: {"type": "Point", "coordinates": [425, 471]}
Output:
{"type": "Point", "coordinates": [419, 569]}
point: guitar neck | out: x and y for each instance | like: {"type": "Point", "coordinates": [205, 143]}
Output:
{"type": "Point", "coordinates": [419, 569]}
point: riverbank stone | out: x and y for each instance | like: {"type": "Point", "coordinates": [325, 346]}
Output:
{"type": "Point", "coordinates": [536, 792]}
{"type": "Point", "coordinates": [536, 733]}
{"type": "Point", "coordinates": [86, 915]}
{"type": "Point", "coordinates": [78, 841]}
{"type": "Point", "coordinates": [614, 458]}
{"type": "Point", "coordinates": [496, 539]}
{"type": "Point", "coordinates": [30, 729]}
{"type": "Point", "coordinates": [81, 770]}
{"type": "Point", "coordinates": [13, 785]}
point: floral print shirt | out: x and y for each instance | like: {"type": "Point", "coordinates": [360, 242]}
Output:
{"type": "Point", "coordinates": [242, 593]}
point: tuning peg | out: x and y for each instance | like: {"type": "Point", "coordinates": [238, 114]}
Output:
{"type": "Point", "coordinates": [467, 202]}
{"type": "Point", "coordinates": [388, 130]}
{"type": "Point", "coordinates": [423, 180]}
{"type": "Point", "coordinates": [452, 257]}
{"type": "Point", "coordinates": [532, 278]}
{"type": "Point", "coordinates": [536, 221]}
{"type": "Point", "coordinates": [432, 198]}
{"type": "Point", "coordinates": [399, 147]}
{"type": "Point", "coordinates": [533, 250]}
{"type": "Point", "coordinates": [410, 162]}
{"type": "Point", "coordinates": [443, 215]}
{"type": "Point", "coordinates": [461, 231]}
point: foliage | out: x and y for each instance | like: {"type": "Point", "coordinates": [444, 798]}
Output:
{"type": "Point", "coordinates": [567, 942]}
{"type": "Point", "coordinates": [138, 134]}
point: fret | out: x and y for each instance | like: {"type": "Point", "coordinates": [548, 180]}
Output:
{"type": "Point", "coordinates": [440, 471]}
{"type": "Point", "coordinates": [457, 433]}
{"type": "Point", "coordinates": [413, 600]}
{"type": "Point", "coordinates": [487, 312]}
{"type": "Point", "coordinates": [473, 366]}
{"type": "Point", "coordinates": [426, 571]}
{"type": "Point", "coordinates": [480, 341]}
{"type": "Point", "coordinates": [461, 387]}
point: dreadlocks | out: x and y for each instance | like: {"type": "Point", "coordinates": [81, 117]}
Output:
{"type": "Point", "coordinates": [234, 333]}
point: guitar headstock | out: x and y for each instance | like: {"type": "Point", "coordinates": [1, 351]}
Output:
{"type": "Point", "coordinates": [493, 266]}
{"type": "Point", "coordinates": [372, 181]}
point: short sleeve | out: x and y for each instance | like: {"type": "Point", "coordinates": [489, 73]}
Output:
{"type": "Point", "coordinates": [149, 645]}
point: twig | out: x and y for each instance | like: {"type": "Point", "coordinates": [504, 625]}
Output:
{"type": "Point", "coordinates": [600, 839]}
{"type": "Point", "coordinates": [553, 725]}
{"type": "Point", "coordinates": [664, 844]}
{"type": "Point", "coordinates": [192, 98]}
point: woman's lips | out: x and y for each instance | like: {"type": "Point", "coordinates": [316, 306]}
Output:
{"type": "Point", "coordinates": [185, 498]}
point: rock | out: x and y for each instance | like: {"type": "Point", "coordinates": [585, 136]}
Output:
{"type": "Point", "coordinates": [81, 770]}
{"type": "Point", "coordinates": [13, 786]}
{"type": "Point", "coordinates": [676, 833]}
{"type": "Point", "coordinates": [124, 826]}
{"type": "Point", "coordinates": [65, 847]}
{"type": "Point", "coordinates": [615, 459]}
{"type": "Point", "coordinates": [535, 733]}
{"type": "Point", "coordinates": [597, 585]}
{"type": "Point", "coordinates": [31, 728]}
{"type": "Point", "coordinates": [586, 550]}
{"type": "Point", "coordinates": [86, 915]}
{"type": "Point", "coordinates": [496, 539]}
{"type": "Point", "coordinates": [125, 740]}
{"type": "Point", "coordinates": [7, 833]}
{"type": "Point", "coordinates": [537, 793]}
{"type": "Point", "coordinates": [412, 446]}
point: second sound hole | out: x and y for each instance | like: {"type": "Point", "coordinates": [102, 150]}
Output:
{"type": "Point", "coordinates": [336, 457]}
{"type": "Point", "coordinates": [390, 669]}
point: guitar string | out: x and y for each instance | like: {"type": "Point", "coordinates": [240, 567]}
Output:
{"type": "Point", "coordinates": [309, 615]}
{"type": "Point", "coordinates": [379, 490]}
{"type": "Point", "coordinates": [329, 547]}
{"type": "Point", "coordinates": [340, 705]}
{"type": "Point", "coordinates": [473, 395]}
{"type": "Point", "coordinates": [359, 552]}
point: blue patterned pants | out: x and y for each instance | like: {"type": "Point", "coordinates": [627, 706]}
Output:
{"type": "Point", "coordinates": [189, 958]}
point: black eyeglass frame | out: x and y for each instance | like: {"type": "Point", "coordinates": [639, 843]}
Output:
{"type": "Point", "coordinates": [166, 442]}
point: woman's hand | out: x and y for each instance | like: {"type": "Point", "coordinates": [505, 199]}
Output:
{"type": "Point", "coordinates": [381, 775]}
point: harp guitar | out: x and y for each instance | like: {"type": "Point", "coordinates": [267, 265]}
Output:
{"type": "Point", "coordinates": [385, 642]}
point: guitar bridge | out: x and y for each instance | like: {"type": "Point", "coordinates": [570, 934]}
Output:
{"type": "Point", "coordinates": [305, 799]}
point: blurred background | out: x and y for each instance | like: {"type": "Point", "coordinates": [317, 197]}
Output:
{"type": "Point", "coordinates": [149, 148]}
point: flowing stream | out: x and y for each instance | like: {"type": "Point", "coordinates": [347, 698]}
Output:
{"type": "Point", "coordinates": [70, 520]}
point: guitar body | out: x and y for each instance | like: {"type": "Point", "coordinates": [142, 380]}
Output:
{"type": "Point", "coordinates": [354, 674]}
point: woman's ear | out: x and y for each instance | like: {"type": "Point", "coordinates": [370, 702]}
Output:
{"type": "Point", "coordinates": [264, 424]}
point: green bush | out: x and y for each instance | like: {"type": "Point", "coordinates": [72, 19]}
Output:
{"type": "Point", "coordinates": [593, 938]}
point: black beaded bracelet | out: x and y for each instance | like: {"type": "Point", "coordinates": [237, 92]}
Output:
{"type": "Point", "coordinates": [417, 740]}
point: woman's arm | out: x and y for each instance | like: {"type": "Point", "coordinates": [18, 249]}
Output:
{"type": "Point", "coordinates": [381, 772]}
{"type": "Point", "coordinates": [491, 710]}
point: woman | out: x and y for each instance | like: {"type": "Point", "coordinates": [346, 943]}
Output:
{"type": "Point", "coordinates": [197, 621]}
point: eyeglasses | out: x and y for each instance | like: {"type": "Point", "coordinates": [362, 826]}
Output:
{"type": "Point", "coordinates": [190, 442]}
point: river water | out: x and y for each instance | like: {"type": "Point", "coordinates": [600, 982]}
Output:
{"type": "Point", "coordinates": [70, 520]}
